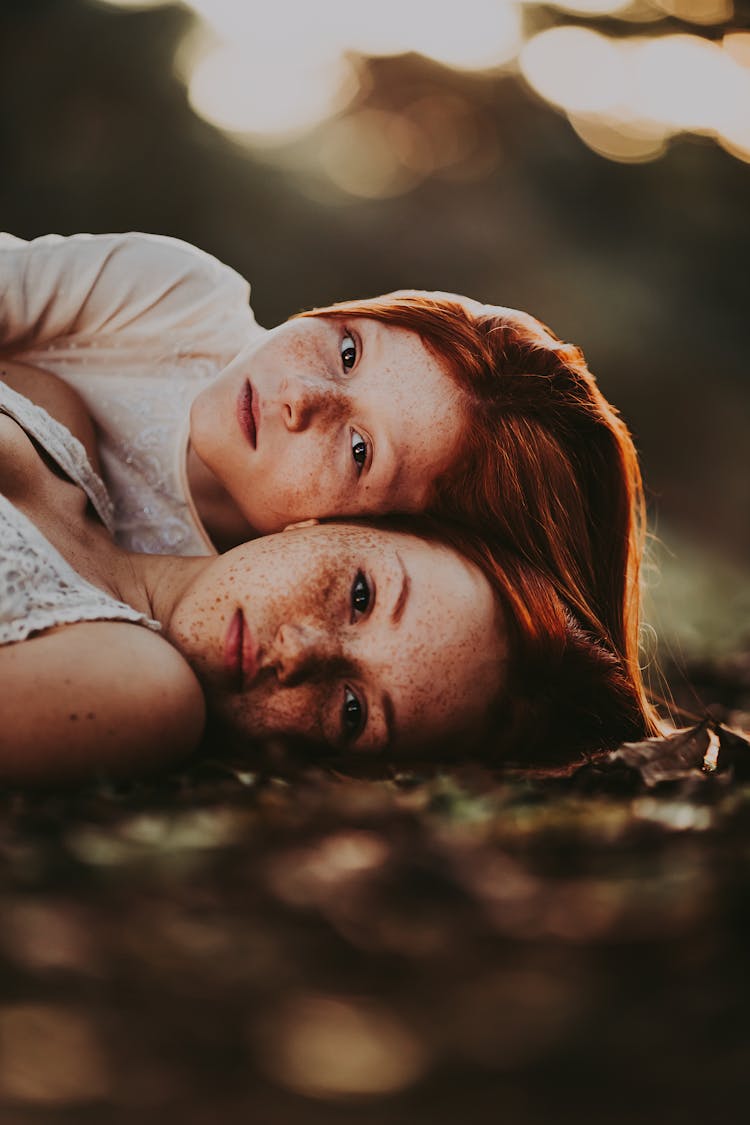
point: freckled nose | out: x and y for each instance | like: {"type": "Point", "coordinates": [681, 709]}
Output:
{"type": "Point", "coordinates": [304, 400]}
{"type": "Point", "coordinates": [299, 652]}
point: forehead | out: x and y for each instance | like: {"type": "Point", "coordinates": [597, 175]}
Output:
{"type": "Point", "coordinates": [452, 651]}
{"type": "Point", "coordinates": [394, 347]}
{"type": "Point", "coordinates": [439, 661]}
{"type": "Point", "coordinates": [309, 547]}
{"type": "Point", "coordinates": [415, 408]}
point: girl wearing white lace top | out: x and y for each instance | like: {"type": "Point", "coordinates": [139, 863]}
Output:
{"type": "Point", "coordinates": [347, 637]}
{"type": "Point", "coordinates": [212, 429]}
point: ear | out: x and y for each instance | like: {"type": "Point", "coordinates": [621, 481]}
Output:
{"type": "Point", "coordinates": [301, 523]}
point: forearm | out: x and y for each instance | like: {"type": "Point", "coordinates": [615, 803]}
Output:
{"type": "Point", "coordinates": [127, 286]}
{"type": "Point", "coordinates": [92, 699]}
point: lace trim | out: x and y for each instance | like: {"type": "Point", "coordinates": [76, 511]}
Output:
{"type": "Point", "coordinates": [142, 411]}
{"type": "Point", "coordinates": [39, 589]}
{"type": "Point", "coordinates": [62, 446]}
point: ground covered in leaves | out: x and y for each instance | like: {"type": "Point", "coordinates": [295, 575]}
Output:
{"type": "Point", "coordinates": [225, 946]}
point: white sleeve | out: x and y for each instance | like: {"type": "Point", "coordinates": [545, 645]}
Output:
{"type": "Point", "coordinates": [134, 286]}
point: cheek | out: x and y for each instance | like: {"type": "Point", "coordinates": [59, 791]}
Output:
{"type": "Point", "coordinates": [304, 475]}
{"type": "Point", "coordinates": [274, 710]}
{"type": "Point", "coordinates": [199, 629]}
{"type": "Point", "coordinates": [440, 678]}
{"type": "Point", "coordinates": [437, 431]}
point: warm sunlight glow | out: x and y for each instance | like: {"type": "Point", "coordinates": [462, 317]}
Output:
{"type": "Point", "coordinates": [627, 141]}
{"type": "Point", "coordinates": [683, 81]}
{"type": "Point", "coordinates": [579, 70]}
{"type": "Point", "coordinates": [284, 71]}
{"type": "Point", "coordinates": [263, 100]}
{"type": "Point", "coordinates": [590, 7]}
{"type": "Point", "coordinates": [475, 34]}
{"type": "Point", "coordinates": [270, 74]}
{"type": "Point", "coordinates": [737, 46]}
{"type": "Point", "coordinates": [625, 97]}
{"type": "Point", "coordinates": [131, 3]}
{"type": "Point", "coordinates": [697, 11]}
{"type": "Point", "coordinates": [366, 154]}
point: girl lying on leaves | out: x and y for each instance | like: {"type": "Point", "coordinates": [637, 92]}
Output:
{"type": "Point", "coordinates": [213, 430]}
{"type": "Point", "coordinates": [343, 637]}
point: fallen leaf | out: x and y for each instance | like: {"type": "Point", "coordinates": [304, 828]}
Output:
{"type": "Point", "coordinates": [670, 758]}
{"type": "Point", "coordinates": [734, 752]}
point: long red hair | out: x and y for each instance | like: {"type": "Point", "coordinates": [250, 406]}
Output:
{"type": "Point", "coordinates": [547, 469]}
{"type": "Point", "coordinates": [566, 691]}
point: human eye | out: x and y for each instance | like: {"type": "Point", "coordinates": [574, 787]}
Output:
{"type": "Point", "coordinates": [360, 595]}
{"type": "Point", "coordinates": [352, 716]}
{"type": "Point", "coordinates": [348, 349]}
{"type": "Point", "coordinates": [359, 450]}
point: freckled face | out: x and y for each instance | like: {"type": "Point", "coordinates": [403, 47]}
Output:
{"type": "Point", "coordinates": [326, 417]}
{"type": "Point", "coordinates": [353, 638]}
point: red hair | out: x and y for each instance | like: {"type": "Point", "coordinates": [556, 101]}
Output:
{"type": "Point", "coordinates": [566, 691]}
{"type": "Point", "coordinates": [546, 470]}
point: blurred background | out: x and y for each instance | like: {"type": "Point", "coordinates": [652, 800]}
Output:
{"type": "Point", "coordinates": [586, 160]}
{"type": "Point", "coordinates": [228, 946]}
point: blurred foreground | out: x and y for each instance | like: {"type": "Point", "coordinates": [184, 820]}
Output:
{"type": "Point", "coordinates": [227, 946]}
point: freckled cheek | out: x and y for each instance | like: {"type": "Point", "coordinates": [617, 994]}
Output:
{"type": "Point", "coordinates": [269, 710]}
{"type": "Point", "coordinates": [200, 631]}
{"type": "Point", "coordinates": [429, 688]}
{"type": "Point", "coordinates": [307, 479]}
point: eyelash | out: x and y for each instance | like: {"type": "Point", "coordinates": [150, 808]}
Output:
{"type": "Point", "coordinates": [360, 446]}
{"type": "Point", "coordinates": [353, 348]}
{"type": "Point", "coordinates": [360, 588]}
{"type": "Point", "coordinates": [353, 708]}
{"type": "Point", "coordinates": [360, 451]}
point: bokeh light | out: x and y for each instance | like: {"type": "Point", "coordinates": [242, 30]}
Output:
{"type": "Point", "coordinates": [262, 99]}
{"type": "Point", "coordinates": [625, 97]}
{"type": "Point", "coordinates": [332, 1047]}
{"type": "Point", "coordinates": [696, 11]}
{"type": "Point", "coordinates": [278, 71]}
{"type": "Point", "coordinates": [582, 71]}
{"type": "Point", "coordinates": [269, 74]}
{"type": "Point", "coordinates": [592, 7]}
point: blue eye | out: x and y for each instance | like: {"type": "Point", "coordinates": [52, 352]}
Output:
{"type": "Point", "coordinates": [359, 451]}
{"type": "Point", "coordinates": [352, 716]}
{"type": "Point", "coordinates": [348, 352]}
{"type": "Point", "coordinates": [360, 595]}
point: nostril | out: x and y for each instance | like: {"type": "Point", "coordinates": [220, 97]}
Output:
{"type": "Point", "coordinates": [294, 411]}
{"type": "Point", "coordinates": [290, 653]}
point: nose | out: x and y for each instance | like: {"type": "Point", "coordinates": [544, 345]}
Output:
{"type": "Point", "coordinates": [303, 399]}
{"type": "Point", "coordinates": [301, 651]}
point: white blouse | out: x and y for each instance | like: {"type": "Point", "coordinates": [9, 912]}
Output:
{"type": "Point", "coordinates": [38, 588]}
{"type": "Point", "coordinates": [137, 324]}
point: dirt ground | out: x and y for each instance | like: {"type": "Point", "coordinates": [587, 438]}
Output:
{"type": "Point", "coordinates": [226, 945]}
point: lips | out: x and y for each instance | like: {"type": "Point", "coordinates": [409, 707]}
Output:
{"type": "Point", "coordinates": [233, 648]}
{"type": "Point", "coordinates": [240, 653]}
{"type": "Point", "coordinates": [247, 413]}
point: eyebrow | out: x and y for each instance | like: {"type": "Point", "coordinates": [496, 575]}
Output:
{"type": "Point", "coordinates": [388, 463]}
{"type": "Point", "coordinates": [403, 594]}
{"type": "Point", "coordinates": [389, 711]}
{"type": "Point", "coordinates": [390, 718]}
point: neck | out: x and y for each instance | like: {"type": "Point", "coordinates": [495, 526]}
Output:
{"type": "Point", "coordinates": [154, 584]}
{"type": "Point", "coordinates": [220, 515]}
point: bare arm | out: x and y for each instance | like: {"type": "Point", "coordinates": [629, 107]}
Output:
{"type": "Point", "coordinates": [59, 400]}
{"type": "Point", "coordinates": [95, 698]}
{"type": "Point", "coordinates": [129, 287]}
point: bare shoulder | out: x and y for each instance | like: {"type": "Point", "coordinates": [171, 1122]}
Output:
{"type": "Point", "coordinates": [94, 698]}
{"type": "Point", "coordinates": [19, 460]}
{"type": "Point", "coordinates": [60, 401]}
